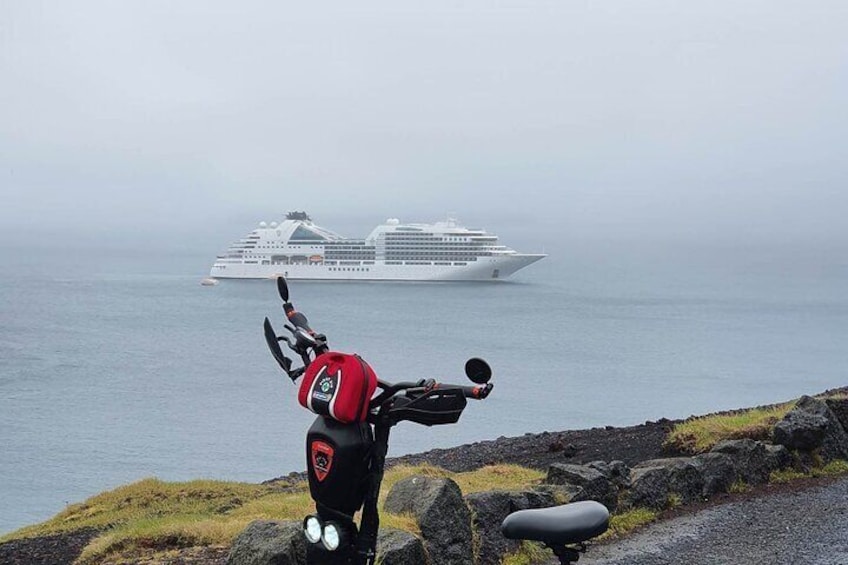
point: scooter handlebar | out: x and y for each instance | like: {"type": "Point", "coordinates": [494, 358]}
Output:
{"type": "Point", "coordinates": [478, 392]}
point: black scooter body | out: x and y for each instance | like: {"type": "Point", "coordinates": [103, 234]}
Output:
{"type": "Point", "coordinates": [338, 460]}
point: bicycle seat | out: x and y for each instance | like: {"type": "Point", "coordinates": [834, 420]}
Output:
{"type": "Point", "coordinates": [559, 525]}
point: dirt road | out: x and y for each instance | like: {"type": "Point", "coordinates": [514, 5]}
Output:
{"type": "Point", "coordinates": [807, 527]}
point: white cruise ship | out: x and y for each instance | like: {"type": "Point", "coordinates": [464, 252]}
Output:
{"type": "Point", "coordinates": [296, 248]}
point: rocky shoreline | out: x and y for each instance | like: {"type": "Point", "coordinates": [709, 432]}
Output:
{"type": "Point", "coordinates": [632, 446]}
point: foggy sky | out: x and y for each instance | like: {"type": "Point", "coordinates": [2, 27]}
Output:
{"type": "Point", "coordinates": [698, 120]}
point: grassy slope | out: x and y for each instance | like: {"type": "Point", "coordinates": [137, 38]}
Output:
{"type": "Point", "coordinates": [700, 433]}
{"type": "Point", "coordinates": [159, 515]}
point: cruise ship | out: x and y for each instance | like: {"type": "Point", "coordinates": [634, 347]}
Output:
{"type": "Point", "coordinates": [297, 248]}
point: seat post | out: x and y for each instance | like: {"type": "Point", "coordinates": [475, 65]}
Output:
{"type": "Point", "coordinates": [567, 555]}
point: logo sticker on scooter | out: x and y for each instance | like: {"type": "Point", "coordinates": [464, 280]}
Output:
{"type": "Point", "coordinates": [322, 459]}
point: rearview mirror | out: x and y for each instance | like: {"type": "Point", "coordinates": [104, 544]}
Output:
{"type": "Point", "coordinates": [283, 288]}
{"type": "Point", "coordinates": [478, 370]}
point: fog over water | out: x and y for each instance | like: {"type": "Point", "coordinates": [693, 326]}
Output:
{"type": "Point", "coordinates": [684, 166]}
{"type": "Point", "coordinates": [650, 119]}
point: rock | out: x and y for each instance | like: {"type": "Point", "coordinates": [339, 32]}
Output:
{"type": "Point", "coordinates": [593, 484]}
{"type": "Point", "coordinates": [562, 494]}
{"type": "Point", "coordinates": [800, 430]}
{"type": "Point", "coordinates": [648, 487]}
{"type": "Point", "coordinates": [489, 509]}
{"type": "Point", "coordinates": [812, 425]}
{"type": "Point", "coordinates": [265, 542]}
{"type": "Point", "coordinates": [441, 513]}
{"type": "Point", "coordinates": [749, 459]}
{"type": "Point", "coordinates": [839, 407]}
{"type": "Point", "coordinates": [717, 471]}
{"type": "Point", "coordinates": [616, 472]}
{"type": "Point", "coordinates": [684, 476]}
{"type": "Point", "coordinates": [396, 547]}
{"type": "Point", "coordinates": [778, 457]}
{"type": "Point", "coordinates": [559, 446]}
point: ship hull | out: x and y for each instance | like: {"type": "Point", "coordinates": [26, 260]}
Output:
{"type": "Point", "coordinates": [483, 269]}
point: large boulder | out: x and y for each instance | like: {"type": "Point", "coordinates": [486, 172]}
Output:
{"type": "Point", "coordinates": [800, 430]}
{"type": "Point", "coordinates": [839, 406]}
{"type": "Point", "coordinates": [683, 477]}
{"type": "Point", "coordinates": [489, 509]}
{"type": "Point", "coordinates": [812, 425]}
{"type": "Point", "coordinates": [592, 483]}
{"type": "Point", "coordinates": [267, 542]}
{"type": "Point", "coordinates": [749, 457]}
{"type": "Point", "coordinates": [441, 513]}
{"type": "Point", "coordinates": [717, 471]}
{"type": "Point", "coordinates": [778, 457]}
{"type": "Point", "coordinates": [648, 487]}
{"type": "Point", "coordinates": [617, 472]}
{"type": "Point", "coordinates": [396, 547]}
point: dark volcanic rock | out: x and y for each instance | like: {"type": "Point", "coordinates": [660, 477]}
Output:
{"type": "Point", "coordinates": [617, 472]}
{"type": "Point", "coordinates": [269, 543]}
{"type": "Point", "coordinates": [801, 430]}
{"type": "Point", "coordinates": [593, 484]}
{"type": "Point", "coordinates": [631, 445]}
{"type": "Point", "coordinates": [749, 457]}
{"type": "Point", "coordinates": [396, 547]}
{"type": "Point", "coordinates": [717, 471]}
{"type": "Point", "coordinates": [489, 509]}
{"type": "Point", "coordinates": [778, 457]}
{"type": "Point", "coordinates": [839, 407]}
{"type": "Point", "coordinates": [58, 549]}
{"type": "Point", "coordinates": [683, 477]}
{"type": "Point", "coordinates": [648, 487]}
{"type": "Point", "coordinates": [686, 479]}
{"type": "Point", "coordinates": [812, 425]}
{"type": "Point", "coordinates": [442, 515]}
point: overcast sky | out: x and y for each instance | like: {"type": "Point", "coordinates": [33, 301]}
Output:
{"type": "Point", "coordinates": [701, 120]}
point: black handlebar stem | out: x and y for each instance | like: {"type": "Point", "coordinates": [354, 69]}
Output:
{"type": "Point", "coordinates": [296, 318]}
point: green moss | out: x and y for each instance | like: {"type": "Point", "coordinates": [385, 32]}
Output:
{"type": "Point", "coordinates": [160, 515]}
{"type": "Point", "coordinates": [699, 435]}
{"type": "Point", "coordinates": [834, 468]}
{"type": "Point", "coordinates": [629, 520]}
{"type": "Point", "coordinates": [674, 500]}
{"type": "Point", "coordinates": [529, 552]}
{"type": "Point", "coordinates": [148, 499]}
{"type": "Point", "coordinates": [739, 487]}
{"type": "Point", "coordinates": [786, 475]}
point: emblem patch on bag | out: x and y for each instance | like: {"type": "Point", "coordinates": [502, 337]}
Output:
{"type": "Point", "coordinates": [322, 459]}
{"type": "Point", "coordinates": [323, 391]}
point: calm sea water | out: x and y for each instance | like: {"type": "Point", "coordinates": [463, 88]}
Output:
{"type": "Point", "coordinates": [117, 366]}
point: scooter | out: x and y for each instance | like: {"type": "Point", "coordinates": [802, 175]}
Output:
{"type": "Point", "coordinates": [346, 446]}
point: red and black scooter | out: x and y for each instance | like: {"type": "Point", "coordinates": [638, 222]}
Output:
{"type": "Point", "coordinates": [346, 447]}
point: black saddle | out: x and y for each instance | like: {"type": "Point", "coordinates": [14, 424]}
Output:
{"type": "Point", "coordinates": [559, 525]}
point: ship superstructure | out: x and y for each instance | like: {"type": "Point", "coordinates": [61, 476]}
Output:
{"type": "Point", "coordinates": [297, 248]}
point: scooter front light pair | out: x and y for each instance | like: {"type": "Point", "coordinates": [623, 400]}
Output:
{"type": "Point", "coordinates": [330, 534]}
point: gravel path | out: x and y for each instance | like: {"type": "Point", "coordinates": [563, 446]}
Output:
{"type": "Point", "coordinates": [804, 527]}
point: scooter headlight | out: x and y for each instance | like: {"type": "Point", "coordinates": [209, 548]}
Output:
{"type": "Point", "coordinates": [332, 536]}
{"type": "Point", "coordinates": [312, 529]}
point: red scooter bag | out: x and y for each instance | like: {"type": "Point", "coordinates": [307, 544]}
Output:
{"type": "Point", "coordinates": [338, 385]}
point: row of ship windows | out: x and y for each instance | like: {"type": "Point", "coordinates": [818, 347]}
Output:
{"type": "Point", "coordinates": [426, 262]}
{"type": "Point", "coordinates": [436, 255]}
{"type": "Point", "coordinates": [425, 238]}
{"type": "Point", "coordinates": [349, 269]}
{"type": "Point", "coordinates": [438, 246]}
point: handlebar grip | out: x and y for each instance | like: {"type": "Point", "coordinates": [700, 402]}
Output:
{"type": "Point", "coordinates": [478, 392]}
{"type": "Point", "coordinates": [296, 318]}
